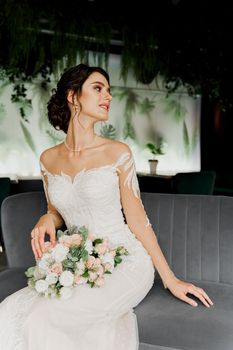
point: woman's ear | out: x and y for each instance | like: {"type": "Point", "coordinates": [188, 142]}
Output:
{"type": "Point", "coordinates": [70, 97]}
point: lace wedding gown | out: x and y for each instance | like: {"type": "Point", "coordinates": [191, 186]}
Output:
{"type": "Point", "coordinates": [92, 318]}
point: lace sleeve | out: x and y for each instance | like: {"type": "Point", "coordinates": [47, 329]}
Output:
{"type": "Point", "coordinates": [136, 216]}
{"type": "Point", "coordinates": [130, 191]}
{"type": "Point", "coordinates": [44, 175]}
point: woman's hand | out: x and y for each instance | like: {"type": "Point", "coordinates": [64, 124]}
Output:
{"type": "Point", "coordinates": [44, 226]}
{"type": "Point", "coordinates": [181, 288]}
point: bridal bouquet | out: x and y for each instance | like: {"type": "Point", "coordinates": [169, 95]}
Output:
{"type": "Point", "coordinates": [79, 257]}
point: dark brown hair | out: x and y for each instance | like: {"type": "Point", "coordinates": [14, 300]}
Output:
{"type": "Point", "coordinates": [72, 79]}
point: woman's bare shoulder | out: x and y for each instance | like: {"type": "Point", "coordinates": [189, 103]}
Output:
{"type": "Point", "coordinates": [117, 148]}
{"type": "Point", "coordinates": [48, 155]}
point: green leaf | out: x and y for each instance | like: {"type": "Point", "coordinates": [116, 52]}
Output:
{"type": "Point", "coordinates": [30, 271]}
{"type": "Point", "coordinates": [85, 274]}
{"type": "Point", "coordinates": [84, 232]}
{"type": "Point", "coordinates": [84, 255]}
{"type": "Point", "coordinates": [97, 241]}
{"type": "Point", "coordinates": [59, 234]}
{"type": "Point", "coordinates": [186, 137]}
{"type": "Point", "coordinates": [146, 105]}
{"type": "Point", "coordinates": [28, 138]}
{"type": "Point", "coordinates": [117, 259]}
{"type": "Point", "coordinates": [108, 131]}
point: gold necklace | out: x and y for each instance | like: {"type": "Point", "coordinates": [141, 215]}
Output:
{"type": "Point", "coordinates": [75, 149]}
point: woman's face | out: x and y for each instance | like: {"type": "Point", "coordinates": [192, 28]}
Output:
{"type": "Point", "coordinates": [95, 97]}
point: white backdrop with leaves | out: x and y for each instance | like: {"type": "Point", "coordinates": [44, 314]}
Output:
{"type": "Point", "coordinates": [139, 114]}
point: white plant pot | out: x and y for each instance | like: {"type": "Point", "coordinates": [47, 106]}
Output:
{"type": "Point", "coordinates": [153, 165]}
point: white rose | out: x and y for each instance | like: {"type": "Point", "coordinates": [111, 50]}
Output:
{"type": "Point", "coordinates": [59, 252]}
{"type": "Point", "coordinates": [66, 279]}
{"type": "Point", "coordinates": [65, 293]}
{"type": "Point", "coordinates": [80, 267]}
{"type": "Point", "coordinates": [43, 265]}
{"type": "Point", "coordinates": [39, 273]}
{"type": "Point", "coordinates": [51, 278]}
{"type": "Point", "coordinates": [89, 246]}
{"type": "Point", "coordinates": [41, 286]}
{"type": "Point", "coordinates": [107, 258]}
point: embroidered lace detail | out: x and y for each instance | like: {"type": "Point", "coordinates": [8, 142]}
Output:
{"type": "Point", "coordinates": [131, 179]}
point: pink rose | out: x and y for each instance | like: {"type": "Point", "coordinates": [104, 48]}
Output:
{"type": "Point", "coordinates": [66, 241]}
{"type": "Point", "coordinates": [101, 248]}
{"type": "Point", "coordinates": [97, 263]}
{"type": "Point", "coordinates": [90, 262]}
{"type": "Point", "coordinates": [80, 279]}
{"type": "Point", "coordinates": [57, 268]}
{"type": "Point", "coordinates": [92, 276]}
{"type": "Point", "coordinates": [76, 239]}
{"type": "Point", "coordinates": [100, 270]}
{"type": "Point", "coordinates": [113, 253]}
{"type": "Point", "coordinates": [99, 282]}
{"type": "Point", "coordinates": [108, 267]}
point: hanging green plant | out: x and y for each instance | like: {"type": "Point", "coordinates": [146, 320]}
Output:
{"type": "Point", "coordinates": [108, 130]}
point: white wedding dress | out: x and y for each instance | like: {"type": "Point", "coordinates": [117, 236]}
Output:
{"type": "Point", "coordinates": [92, 318]}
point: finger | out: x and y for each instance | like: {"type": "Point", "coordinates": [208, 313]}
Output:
{"type": "Point", "coordinates": [188, 300]}
{"type": "Point", "coordinates": [52, 234]}
{"type": "Point", "coordinates": [201, 291]}
{"type": "Point", "coordinates": [41, 236]}
{"type": "Point", "coordinates": [206, 296]}
{"type": "Point", "coordinates": [37, 246]}
{"type": "Point", "coordinates": [33, 249]}
{"type": "Point", "coordinates": [199, 296]}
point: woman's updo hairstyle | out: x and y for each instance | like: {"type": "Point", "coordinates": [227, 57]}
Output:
{"type": "Point", "coordinates": [72, 79]}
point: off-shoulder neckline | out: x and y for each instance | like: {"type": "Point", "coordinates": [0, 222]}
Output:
{"type": "Point", "coordinates": [123, 157]}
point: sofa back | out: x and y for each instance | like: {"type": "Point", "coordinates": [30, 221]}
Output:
{"type": "Point", "coordinates": [19, 214]}
{"type": "Point", "coordinates": [195, 233]}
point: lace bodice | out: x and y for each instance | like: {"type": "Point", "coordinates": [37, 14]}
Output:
{"type": "Point", "coordinates": [94, 197]}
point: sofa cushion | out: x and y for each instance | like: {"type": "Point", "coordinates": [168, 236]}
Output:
{"type": "Point", "coordinates": [144, 346]}
{"type": "Point", "coordinates": [11, 280]}
{"type": "Point", "coordinates": [167, 321]}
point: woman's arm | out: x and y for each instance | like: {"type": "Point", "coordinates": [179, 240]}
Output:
{"type": "Point", "coordinates": [47, 224]}
{"type": "Point", "coordinates": [139, 224]}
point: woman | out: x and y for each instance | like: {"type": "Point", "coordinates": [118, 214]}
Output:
{"type": "Point", "coordinates": [88, 180]}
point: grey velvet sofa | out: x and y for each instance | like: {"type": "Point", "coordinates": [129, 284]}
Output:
{"type": "Point", "coordinates": [195, 233]}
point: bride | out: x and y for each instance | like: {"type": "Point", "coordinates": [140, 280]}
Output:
{"type": "Point", "coordinates": [90, 180]}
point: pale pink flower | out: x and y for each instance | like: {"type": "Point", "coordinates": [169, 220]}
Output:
{"type": "Point", "coordinates": [100, 270]}
{"type": "Point", "coordinates": [76, 239]}
{"type": "Point", "coordinates": [101, 248]}
{"type": "Point", "coordinates": [113, 253]}
{"type": "Point", "coordinates": [97, 263]}
{"type": "Point", "coordinates": [66, 241]}
{"type": "Point", "coordinates": [90, 262]}
{"type": "Point", "coordinates": [108, 267]}
{"type": "Point", "coordinates": [56, 268]}
{"type": "Point", "coordinates": [92, 276]}
{"type": "Point", "coordinates": [80, 279]}
{"type": "Point", "coordinates": [99, 282]}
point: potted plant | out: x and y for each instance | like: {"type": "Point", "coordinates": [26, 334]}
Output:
{"type": "Point", "coordinates": [155, 149]}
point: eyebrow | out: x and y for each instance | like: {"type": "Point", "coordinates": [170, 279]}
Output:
{"type": "Point", "coordinates": [102, 84]}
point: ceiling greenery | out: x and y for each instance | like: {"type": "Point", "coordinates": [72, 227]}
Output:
{"type": "Point", "coordinates": [186, 42]}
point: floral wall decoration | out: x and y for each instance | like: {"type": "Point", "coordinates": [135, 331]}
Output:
{"type": "Point", "coordinates": [139, 114]}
